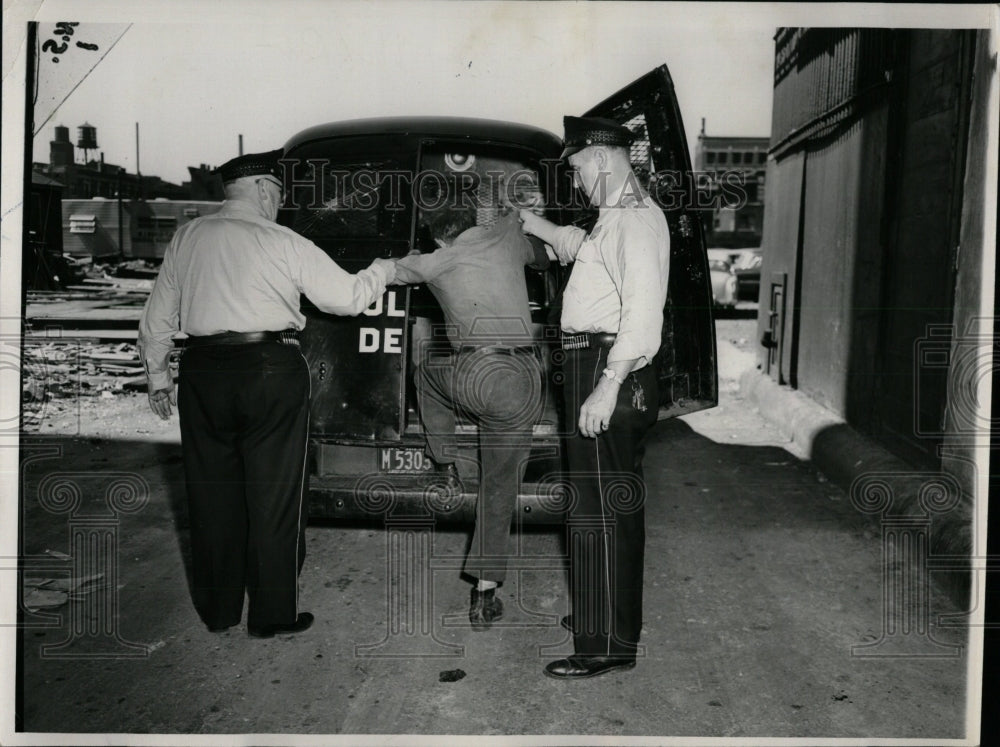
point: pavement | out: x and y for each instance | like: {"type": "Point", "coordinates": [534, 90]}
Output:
{"type": "Point", "coordinates": [879, 483]}
{"type": "Point", "coordinates": [766, 610]}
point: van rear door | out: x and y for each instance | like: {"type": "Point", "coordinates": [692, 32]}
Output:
{"type": "Point", "coordinates": [688, 373]}
{"type": "Point", "coordinates": [347, 200]}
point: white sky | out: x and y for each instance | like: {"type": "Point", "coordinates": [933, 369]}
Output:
{"type": "Point", "coordinates": [193, 88]}
{"type": "Point", "coordinates": [195, 74]}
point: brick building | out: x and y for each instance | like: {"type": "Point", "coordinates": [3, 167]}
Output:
{"type": "Point", "coordinates": [737, 217]}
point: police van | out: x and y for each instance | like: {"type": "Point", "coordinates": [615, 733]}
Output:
{"type": "Point", "coordinates": [364, 189]}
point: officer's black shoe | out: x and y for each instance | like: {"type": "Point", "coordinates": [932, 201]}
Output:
{"type": "Point", "coordinates": [582, 667]}
{"type": "Point", "coordinates": [218, 628]}
{"type": "Point", "coordinates": [484, 608]}
{"type": "Point", "coordinates": [567, 622]}
{"type": "Point", "coordinates": [303, 622]}
{"type": "Point", "coordinates": [445, 478]}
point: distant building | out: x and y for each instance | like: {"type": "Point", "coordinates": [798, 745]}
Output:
{"type": "Point", "coordinates": [95, 178]}
{"type": "Point", "coordinates": [737, 217]}
{"type": "Point", "coordinates": [107, 213]}
{"type": "Point", "coordinates": [108, 229]}
{"type": "Point", "coordinates": [204, 185]}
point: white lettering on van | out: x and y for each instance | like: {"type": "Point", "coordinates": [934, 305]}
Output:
{"type": "Point", "coordinates": [391, 306]}
{"type": "Point", "coordinates": [374, 339]}
{"type": "Point", "coordinates": [393, 341]}
{"type": "Point", "coordinates": [368, 341]}
{"type": "Point", "coordinates": [392, 309]}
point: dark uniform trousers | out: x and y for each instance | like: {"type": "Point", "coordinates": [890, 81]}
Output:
{"type": "Point", "coordinates": [606, 526]}
{"type": "Point", "coordinates": [502, 393]}
{"type": "Point", "coordinates": [244, 414]}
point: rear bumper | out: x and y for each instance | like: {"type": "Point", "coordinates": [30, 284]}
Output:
{"type": "Point", "coordinates": [385, 496]}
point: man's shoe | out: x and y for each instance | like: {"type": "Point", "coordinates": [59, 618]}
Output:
{"type": "Point", "coordinates": [303, 622]}
{"type": "Point", "coordinates": [445, 478]}
{"type": "Point", "coordinates": [484, 608]}
{"type": "Point", "coordinates": [567, 622]}
{"type": "Point", "coordinates": [582, 667]}
{"type": "Point", "coordinates": [218, 628]}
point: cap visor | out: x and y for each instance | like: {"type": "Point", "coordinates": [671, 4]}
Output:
{"type": "Point", "coordinates": [570, 150]}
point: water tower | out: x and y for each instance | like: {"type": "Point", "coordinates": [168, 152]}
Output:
{"type": "Point", "coordinates": [86, 139]}
{"type": "Point", "coordinates": [61, 149]}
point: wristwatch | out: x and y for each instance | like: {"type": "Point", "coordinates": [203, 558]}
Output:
{"type": "Point", "coordinates": [609, 373]}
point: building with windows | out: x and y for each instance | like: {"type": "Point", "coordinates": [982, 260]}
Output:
{"type": "Point", "coordinates": [735, 169]}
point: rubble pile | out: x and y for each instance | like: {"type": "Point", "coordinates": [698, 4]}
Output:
{"type": "Point", "coordinates": [99, 287]}
{"type": "Point", "coordinates": [135, 268]}
{"type": "Point", "coordinates": [60, 371]}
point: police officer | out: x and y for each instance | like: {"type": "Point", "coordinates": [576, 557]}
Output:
{"type": "Point", "coordinates": [612, 319]}
{"type": "Point", "coordinates": [231, 282]}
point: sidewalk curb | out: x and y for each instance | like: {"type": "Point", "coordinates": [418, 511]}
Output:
{"type": "Point", "coordinates": [846, 456]}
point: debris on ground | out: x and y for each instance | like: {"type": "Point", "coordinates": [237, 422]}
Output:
{"type": "Point", "coordinates": [451, 675]}
{"type": "Point", "coordinates": [48, 593]}
{"type": "Point", "coordinates": [37, 599]}
{"type": "Point", "coordinates": [66, 370]}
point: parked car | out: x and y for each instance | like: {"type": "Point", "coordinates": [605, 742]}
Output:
{"type": "Point", "coordinates": [747, 270]}
{"type": "Point", "coordinates": [723, 283]}
{"type": "Point", "coordinates": [363, 189]}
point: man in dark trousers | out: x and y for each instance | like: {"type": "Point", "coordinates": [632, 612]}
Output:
{"type": "Point", "coordinates": [612, 319]}
{"type": "Point", "coordinates": [492, 373]}
{"type": "Point", "coordinates": [231, 282]}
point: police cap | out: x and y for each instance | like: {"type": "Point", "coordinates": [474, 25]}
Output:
{"type": "Point", "coordinates": [252, 164]}
{"type": "Point", "coordinates": [582, 132]}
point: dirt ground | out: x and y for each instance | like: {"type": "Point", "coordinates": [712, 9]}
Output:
{"type": "Point", "coordinates": [761, 582]}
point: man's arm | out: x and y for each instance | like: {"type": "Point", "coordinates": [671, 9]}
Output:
{"type": "Point", "coordinates": [564, 240]}
{"type": "Point", "coordinates": [159, 322]}
{"type": "Point", "coordinates": [331, 287]}
{"type": "Point", "coordinates": [424, 268]}
{"type": "Point", "coordinates": [597, 409]}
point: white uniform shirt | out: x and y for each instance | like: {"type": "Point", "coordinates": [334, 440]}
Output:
{"type": "Point", "coordinates": [619, 278]}
{"type": "Point", "coordinates": [236, 271]}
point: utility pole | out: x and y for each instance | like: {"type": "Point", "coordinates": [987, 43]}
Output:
{"type": "Point", "coordinates": [241, 145]}
{"type": "Point", "coordinates": [121, 219]}
{"type": "Point", "coordinates": [138, 171]}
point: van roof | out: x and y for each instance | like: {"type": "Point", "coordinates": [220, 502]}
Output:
{"type": "Point", "coordinates": [461, 128]}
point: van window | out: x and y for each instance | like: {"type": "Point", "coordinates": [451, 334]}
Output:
{"type": "Point", "coordinates": [359, 199]}
{"type": "Point", "coordinates": [459, 186]}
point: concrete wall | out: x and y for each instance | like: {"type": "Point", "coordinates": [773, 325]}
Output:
{"type": "Point", "coordinates": [863, 222]}
{"type": "Point", "coordinates": [967, 425]}
{"type": "Point", "coordinates": [924, 203]}
{"type": "Point", "coordinates": [780, 243]}
{"type": "Point", "coordinates": [840, 246]}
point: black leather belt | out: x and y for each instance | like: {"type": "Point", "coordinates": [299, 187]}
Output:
{"type": "Point", "coordinates": [585, 340]}
{"type": "Point", "coordinates": [498, 349]}
{"type": "Point", "coordinates": [285, 337]}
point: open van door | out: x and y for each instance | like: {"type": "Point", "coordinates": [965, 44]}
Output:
{"type": "Point", "coordinates": [688, 374]}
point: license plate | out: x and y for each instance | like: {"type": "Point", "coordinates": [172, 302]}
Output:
{"type": "Point", "coordinates": [403, 460]}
